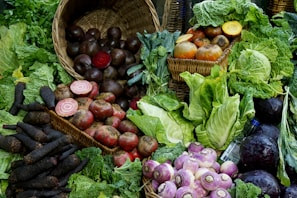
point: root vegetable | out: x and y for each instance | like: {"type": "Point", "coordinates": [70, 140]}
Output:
{"type": "Point", "coordinates": [66, 107]}
{"type": "Point", "coordinates": [128, 141]}
{"type": "Point", "coordinates": [93, 128]}
{"type": "Point", "coordinates": [148, 168]}
{"type": "Point", "coordinates": [18, 98]}
{"type": "Point", "coordinates": [69, 163]}
{"type": "Point", "coordinates": [101, 59]}
{"type": "Point", "coordinates": [107, 135]}
{"type": "Point", "coordinates": [81, 87]}
{"type": "Point", "coordinates": [127, 125]}
{"type": "Point", "coordinates": [120, 157]}
{"type": "Point", "coordinates": [10, 144]}
{"type": "Point", "coordinates": [113, 121]}
{"type": "Point", "coordinates": [84, 102]}
{"type": "Point", "coordinates": [38, 154]}
{"type": "Point", "coordinates": [38, 183]}
{"type": "Point", "coordinates": [34, 106]}
{"type": "Point", "coordinates": [110, 85]}
{"type": "Point", "coordinates": [68, 152]}
{"type": "Point", "coordinates": [163, 172]}
{"type": "Point", "coordinates": [63, 91]}
{"type": "Point", "coordinates": [107, 96]}
{"type": "Point", "coordinates": [167, 189]}
{"type": "Point", "coordinates": [221, 40]}
{"type": "Point", "coordinates": [232, 28]}
{"type": "Point", "coordinates": [38, 193]}
{"type": "Point", "coordinates": [118, 111]}
{"type": "Point", "coordinates": [101, 109]}
{"type": "Point", "coordinates": [48, 96]}
{"type": "Point", "coordinates": [210, 52]}
{"type": "Point", "coordinates": [34, 132]}
{"type": "Point", "coordinates": [95, 90]}
{"type": "Point", "coordinates": [26, 172]}
{"type": "Point", "coordinates": [147, 145]}
{"type": "Point", "coordinates": [37, 117]}
{"type": "Point", "coordinates": [52, 134]}
{"type": "Point", "coordinates": [212, 32]}
{"type": "Point", "coordinates": [27, 141]}
{"type": "Point", "coordinates": [82, 119]}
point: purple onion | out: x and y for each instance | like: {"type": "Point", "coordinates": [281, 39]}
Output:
{"type": "Point", "coordinates": [167, 189]}
{"type": "Point", "coordinates": [179, 161]}
{"type": "Point", "coordinates": [200, 172]}
{"type": "Point", "coordinates": [163, 172]}
{"type": "Point", "coordinates": [226, 181]}
{"type": "Point", "coordinates": [220, 193]}
{"type": "Point", "coordinates": [186, 192]}
{"type": "Point", "coordinates": [206, 157]}
{"type": "Point", "coordinates": [148, 168]}
{"type": "Point", "coordinates": [195, 147]}
{"type": "Point", "coordinates": [230, 168]}
{"type": "Point", "coordinates": [201, 192]}
{"type": "Point", "coordinates": [191, 164]}
{"type": "Point", "coordinates": [184, 177]}
{"type": "Point", "coordinates": [210, 180]}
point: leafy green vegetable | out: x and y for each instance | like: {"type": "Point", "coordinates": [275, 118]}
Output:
{"type": "Point", "coordinates": [101, 179]}
{"type": "Point", "coordinates": [155, 119]}
{"type": "Point", "coordinates": [243, 190]}
{"type": "Point", "coordinates": [218, 117]}
{"type": "Point", "coordinates": [165, 153]}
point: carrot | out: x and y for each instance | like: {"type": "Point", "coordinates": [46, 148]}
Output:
{"type": "Point", "coordinates": [10, 144]}
{"type": "Point", "coordinates": [38, 154]}
{"type": "Point", "coordinates": [48, 96]}
{"type": "Point", "coordinates": [17, 163]}
{"type": "Point", "coordinates": [9, 126]}
{"type": "Point", "coordinates": [69, 163]}
{"type": "Point", "coordinates": [34, 106]}
{"type": "Point", "coordinates": [34, 132]}
{"type": "Point", "coordinates": [37, 118]}
{"type": "Point", "coordinates": [28, 141]}
{"type": "Point", "coordinates": [51, 133]}
{"type": "Point", "coordinates": [27, 172]}
{"type": "Point", "coordinates": [69, 151]}
{"type": "Point", "coordinates": [18, 98]}
{"type": "Point", "coordinates": [38, 183]}
{"type": "Point", "coordinates": [38, 193]}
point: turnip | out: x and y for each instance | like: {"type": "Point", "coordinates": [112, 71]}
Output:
{"type": "Point", "coordinates": [230, 168]}
{"type": "Point", "coordinates": [179, 161]}
{"type": "Point", "coordinates": [167, 189]}
{"type": "Point", "coordinates": [148, 168]}
{"type": "Point", "coordinates": [147, 145]}
{"type": "Point", "coordinates": [163, 172]}
{"type": "Point", "coordinates": [206, 157]}
{"type": "Point", "coordinates": [210, 180]}
{"type": "Point", "coordinates": [195, 147]}
{"type": "Point", "coordinates": [184, 177]}
{"type": "Point", "coordinates": [220, 193]}
{"type": "Point", "coordinates": [186, 191]}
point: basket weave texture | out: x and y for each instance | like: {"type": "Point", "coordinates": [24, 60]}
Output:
{"type": "Point", "coordinates": [79, 136]}
{"type": "Point", "coordinates": [130, 15]}
{"type": "Point", "coordinates": [178, 65]}
{"type": "Point", "coordinates": [276, 6]}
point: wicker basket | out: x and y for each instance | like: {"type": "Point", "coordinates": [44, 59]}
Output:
{"type": "Point", "coordinates": [276, 6]}
{"type": "Point", "coordinates": [148, 189]}
{"type": "Point", "coordinates": [130, 15]}
{"type": "Point", "coordinates": [79, 136]}
{"type": "Point", "coordinates": [178, 65]}
{"type": "Point", "coordinates": [181, 89]}
{"type": "Point", "coordinates": [173, 19]}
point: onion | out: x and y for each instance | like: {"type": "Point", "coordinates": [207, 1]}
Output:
{"type": "Point", "coordinates": [206, 157]}
{"type": "Point", "coordinates": [230, 168]}
{"type": "Point", "coordinates": [163, 172]}
{"type": "Point", "coordinates": [220, 193]}
{"type": "Point", "coordinates": [184, 177]}
{"type": "Point", "coordinates": [167, 189]}
{"type": "Point", "coordinates": [195, 147]}
{"type": "Point", "coordinates": [210, 180]}
{"type": "Point", "coordinates": [179, 161]}
{"type": "Point", "coordinates": [226, 181]}
{"type": "Point", "coordinates": [148, 168]}
{"type": "Point", "coordinates": [191, 164]}
{"type": "Point", "coordinates": [186, 192]}
{"type": "Point", "coordinates": [66, 107]}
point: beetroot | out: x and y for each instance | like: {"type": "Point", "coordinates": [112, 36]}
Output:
{"type": "Point", "coordinates": [101, 109]}
{"type": "Point", "coordinates": [82, 119]}
{"type": "Point", "coordinates": [107, 135]}
{"type": "Point", "coordinates": [101, 59]}
{"type": "Point", "coordinates": [66, 107]}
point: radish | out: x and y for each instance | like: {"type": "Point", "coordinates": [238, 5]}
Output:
{"type": "Point", "coordinates": [81, 87]}
{"type": "Point", "coordinates": [66, 107]}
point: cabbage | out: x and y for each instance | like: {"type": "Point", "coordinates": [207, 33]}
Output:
{"type": "Point", "coordinates": [253, 66]}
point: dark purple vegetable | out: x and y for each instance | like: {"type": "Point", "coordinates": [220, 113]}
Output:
{"type": "Point", "coordinates": [210, 180]}
{"type": "Point", "coordinates": [28, 141]}
{"type": "Point", "coordinates": [167, 189]}
{"type": "Point", "coordinates": [229, 168]}
{"type": "Point", "coordinates": [269, 110]}
{"type": "Point", "coordinates": [48, 96]}
{"type": "Point", "coordinates": [268, 129]}
{"type": "Point", "coordinates": [38, 183]}
{"type": "Point", "coordinates": [290, 191]}
{"type": "Point", "coordinates": [34, 106]}
{"type": "Point", "coordinates": [37, 117]}
{"type": "Point", "coordinates": [184, 177]}
{"type": "Point", "coordinates": [258, 151]}
{"type": "Point", "coordinates": [195, 147]}
{"type": "Point", "coordinates": [186, 191]}
{"type": "Point", "coordinates": [51, 133]}
{"type": "Point", "coordinates": [38, 193]}
{"type": "Point", "coordinates": [66, 165]}
{"type": "Point", "coordinates": [163, 172]}
{"type": "Point", "coordinates": [18, 98]}
{"type": "Point", "coordinates": [70, 151]}
{"type": "Point", "coordinates": [219, 193]}
{"type": "Point", "coordinates": [148, 168]}
{"type": "Point", "coordinates": [10, 144]}
{"type": "Point", "coordinates": [264, 180]}
{"type": "Point", "coordinates": [34, 132]}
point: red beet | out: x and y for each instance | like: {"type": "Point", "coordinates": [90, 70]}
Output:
{"type": "Point", "coordinates": [101, 109]}
{"type": "Point", "coordinates": [82, 119]}
{"type": "Point", "coordinates": [107, 135]}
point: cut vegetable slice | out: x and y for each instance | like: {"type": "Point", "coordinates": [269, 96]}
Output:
{"type": "Point", "coordinates": [81, 87]}
{"type": "Point", "coordinates": [184, 37]}
{"type": "Point", "coordinates": [232, 28]}
{"type": "Point", "coordinates": [66, 107]}
{"type": "Point", "coordinates": [101, 59]}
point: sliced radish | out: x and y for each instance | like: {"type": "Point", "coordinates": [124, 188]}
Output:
{"type": "Point", "coordinates": [66, 107]}
{"type": "Point", "coordinates": [81, 87]}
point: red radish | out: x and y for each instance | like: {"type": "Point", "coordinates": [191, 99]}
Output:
{"type": "Point", "coordinates": [95, 90]}
{"type": "Point", "coordinates": [107, 135]}
{"type": "Point", "coordinates": [107, 96]}
{"type": "Point", "coordinates": [83, 102]}
{"type": "Point", "coordinates": [135, 154]}
{"type": "Point", "coordinates": [147, 145]}
{"type": "Point", "coordinates": [120, 157]}
{"type": "Point", "coordinates": [66, 107]}
{"type": "Point", "coordinates": [82, 119]}
{"type": "Point", "coordinates": [101, 109]}
{"type": "Point", "coordinates": [101, 59]}
{"type": "Point", "coordinates": [113, 121]}
{"type": "Point", "coordinates": [118, 111]}
{"type": "Point", "coordinates": [128, 141]}
{"type": "Point", "coordinates": [93, 128]}
{"type": "Point", "coordinates": [127, 125]}
{"type": "Point", "coordinates": [81, 87]}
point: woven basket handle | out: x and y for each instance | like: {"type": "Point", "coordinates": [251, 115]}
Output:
{"type": "Point", "coordinates": [154, 15]}
{"type": "Point", "coordinates": [167, 9]}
